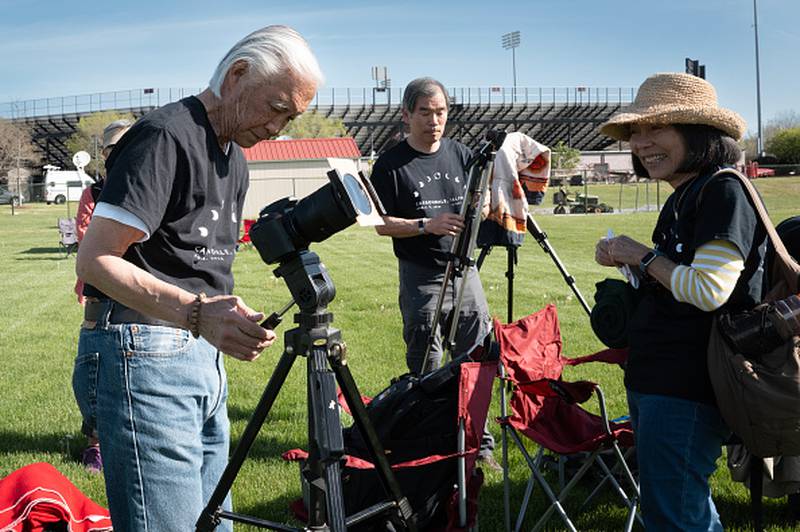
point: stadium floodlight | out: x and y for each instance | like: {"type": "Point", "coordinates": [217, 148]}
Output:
{"type": "Point", "coordinates": [511, 41]}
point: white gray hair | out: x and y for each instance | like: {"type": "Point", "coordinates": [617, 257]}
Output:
{"type": "Point", "coordinates": [270, 51]}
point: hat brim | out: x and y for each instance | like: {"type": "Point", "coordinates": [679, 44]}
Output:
{"type": "Point", "coordinates": [729, 122]}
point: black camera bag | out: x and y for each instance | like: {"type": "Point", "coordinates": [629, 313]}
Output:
{"type": "Point", "coordinates": [415, 418]}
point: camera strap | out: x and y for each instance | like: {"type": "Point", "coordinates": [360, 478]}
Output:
{"type": "Point", "coordinates": [785, 274]}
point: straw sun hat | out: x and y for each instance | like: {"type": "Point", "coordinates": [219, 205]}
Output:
{"type": "Point", "coordinates": [673, 98]}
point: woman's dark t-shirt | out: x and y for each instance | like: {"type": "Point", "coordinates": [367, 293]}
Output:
{"type": "Point", "coordinates": [668, 339]}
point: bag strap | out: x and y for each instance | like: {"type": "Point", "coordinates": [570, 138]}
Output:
{"type": "Point", "coordinates": [785, 266]}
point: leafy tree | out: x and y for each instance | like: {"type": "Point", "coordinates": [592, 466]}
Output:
{"type": "Point", "coordinates": [781, 121]}
{"type": "Point", "coordinates": [15, 143]}
{"type": "Point", "coordinates": [312, 125]}
{"type": "Point", "coordinates": [89, 137]}
{"type": "Point", "coordinates": [785, 145]}
{"type": "Point", "coordinates": [564, 157]}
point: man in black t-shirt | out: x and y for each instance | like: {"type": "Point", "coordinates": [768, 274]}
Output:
{"type": "Point", "coordinates": [157, 260]}
{"type": "Point", "coordinates": [421, 182]}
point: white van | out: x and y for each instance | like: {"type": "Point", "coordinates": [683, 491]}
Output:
{"type": "Point", "coordinates": [63, 185]}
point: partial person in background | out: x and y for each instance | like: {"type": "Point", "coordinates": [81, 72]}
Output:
{"type": "Point", "coordinates": [421, 182]}
{"type": "Point", "coordinates": [90, 457]}
{"type": "Point", "coordinates": [111, 135]}
{"type": "Point", "coordinates": [707, 253]}
{"type": "Point", "coordinates": [157, 261]}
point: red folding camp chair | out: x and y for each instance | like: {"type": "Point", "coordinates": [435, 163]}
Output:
{"type": "Point", "coordinates": [474, 394]}
{"type": "Point", "coordinates": [544, 408]}
{"type": "Point", "coordinates": [246, 233]}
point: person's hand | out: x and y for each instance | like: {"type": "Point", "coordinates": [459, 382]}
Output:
{"type": "Point", "coordinates": [445, 224]}
{"type": "Point", "coordinates": [233, 327]}
{"type": "Point", "coordinates": [619, 250]}
{"type": "Point", "coordinates": [602, 254]}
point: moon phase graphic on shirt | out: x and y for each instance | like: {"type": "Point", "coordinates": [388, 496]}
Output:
{"type": "Point", "coordinates": [203, 231]}
{"type": "Point", "coordinates": [214, 215]}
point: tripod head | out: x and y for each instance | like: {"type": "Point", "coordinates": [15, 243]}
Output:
{"type": "Point", "coordinates": [476, 168]}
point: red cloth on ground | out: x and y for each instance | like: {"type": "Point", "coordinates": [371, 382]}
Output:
{"type": "Point", "coordinates": [36, 496]}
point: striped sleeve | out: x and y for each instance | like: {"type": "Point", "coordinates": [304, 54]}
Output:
{"type": "Point", "coordinates": [709, 281]}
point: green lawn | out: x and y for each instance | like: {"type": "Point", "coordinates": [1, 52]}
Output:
{"type": "Point", "coordinates": [39, 328]}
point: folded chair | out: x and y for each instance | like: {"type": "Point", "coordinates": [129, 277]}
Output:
{"type": "Point", "coordinates": [68, 236]}
{"type": "Point", "coordinates": [545, 409]}
{"type": "Point", "coordinates": [442, 482]}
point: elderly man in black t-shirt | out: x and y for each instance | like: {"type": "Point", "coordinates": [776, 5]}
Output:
{"type": "Point", "coordinates": [157, 263]}
{"type": "Point", "coordinates": [421, 182]}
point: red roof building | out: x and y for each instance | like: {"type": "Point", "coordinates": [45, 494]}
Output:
{"type": "Point", "coordinates": [303, 149]}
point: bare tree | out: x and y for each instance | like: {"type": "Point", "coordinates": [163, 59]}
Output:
{"type": "Point", "coordinates": [16, 148]}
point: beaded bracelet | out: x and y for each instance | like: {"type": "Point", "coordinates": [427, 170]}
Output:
{"type": "Point", "coordinates": [194, 317]}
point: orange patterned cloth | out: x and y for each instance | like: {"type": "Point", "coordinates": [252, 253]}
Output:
{"type": "Point", "coordinates": [521, 164]}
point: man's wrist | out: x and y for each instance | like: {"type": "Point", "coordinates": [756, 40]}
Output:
{"type": "Point", "coordinates": [194, 314]}
{"type": "Point", "coordinates": [421, 226]}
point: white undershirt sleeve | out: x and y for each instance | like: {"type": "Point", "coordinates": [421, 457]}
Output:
{"type": "Point", "coordinates": [118, 214]}
{"type": "Point", "coordinates": [709, 281]}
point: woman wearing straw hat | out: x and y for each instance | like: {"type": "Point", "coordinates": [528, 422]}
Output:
{"type": "Point", "coordinates": [708, 252]}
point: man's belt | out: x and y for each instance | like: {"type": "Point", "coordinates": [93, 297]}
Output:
{"type": "Point", "coordinates": [93, 311]}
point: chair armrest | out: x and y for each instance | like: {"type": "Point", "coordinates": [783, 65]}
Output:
{"type": "Point", "coordinates": [571, 392]}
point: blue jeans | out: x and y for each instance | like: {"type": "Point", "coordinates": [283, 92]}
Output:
{"type": "Point", "coordinates": [161, 418]}
{"type": "Point", "coordinates": [84, 386]}
{"type": "Point", "coordinates": [677, 445]}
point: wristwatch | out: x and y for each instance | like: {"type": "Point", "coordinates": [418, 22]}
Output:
{"type": "Point", "coordinates": [647, 260]}
{"type": "Point", "coordinates": [421, 225]}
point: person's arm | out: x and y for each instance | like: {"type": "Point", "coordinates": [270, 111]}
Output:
{"type": "Point", "coordinates": [84, 213]}
{"type": "Point", "coordinates": [707, 283]}
{"type": "Point", "coordinates": [225, 321]}
{"type": "Point", "coordinates": [445, 224]}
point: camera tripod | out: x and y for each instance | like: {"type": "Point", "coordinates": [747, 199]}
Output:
{"type": "Point", "coordinates": [511, 251]}
{"type": "Point", "coordinates": [460, 258]}
{"type": "Point", "coordinates": [312, 289]}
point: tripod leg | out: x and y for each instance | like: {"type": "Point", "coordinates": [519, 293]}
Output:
{"type": "Point", "coordinates": [448, 273]}
{"type": "Point", "coordinates": [482, 256]}
{"type": "Point", "coordinates": [210, 517]}
{"type": "Point", "coordinates": [326, 445]}
{"type": "Point", "coordinates": [541, 238]}
{"type": "Point", "coordinates": [512, 261]}
{"type": "Point", "coordinates": [377, 453]}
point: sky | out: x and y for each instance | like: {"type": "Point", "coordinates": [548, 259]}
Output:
{"type": "Point", "coordinates": [62, 48]}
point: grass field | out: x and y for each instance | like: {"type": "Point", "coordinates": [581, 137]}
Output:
{"type": "Point", "coordinates": [39, 321]}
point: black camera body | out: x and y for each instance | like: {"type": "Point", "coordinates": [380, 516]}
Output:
{"type": "Point", "coordinates": [759, 331]}
{"type": "Point", "coordinates": [285, 229]}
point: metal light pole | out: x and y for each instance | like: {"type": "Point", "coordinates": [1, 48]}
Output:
{"type": "Point", "coordinates": [511, 40]}
{"type": "Point", "coordinates": [760, 142]}
{"type": "Point", "coordinates": [94, 138]}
